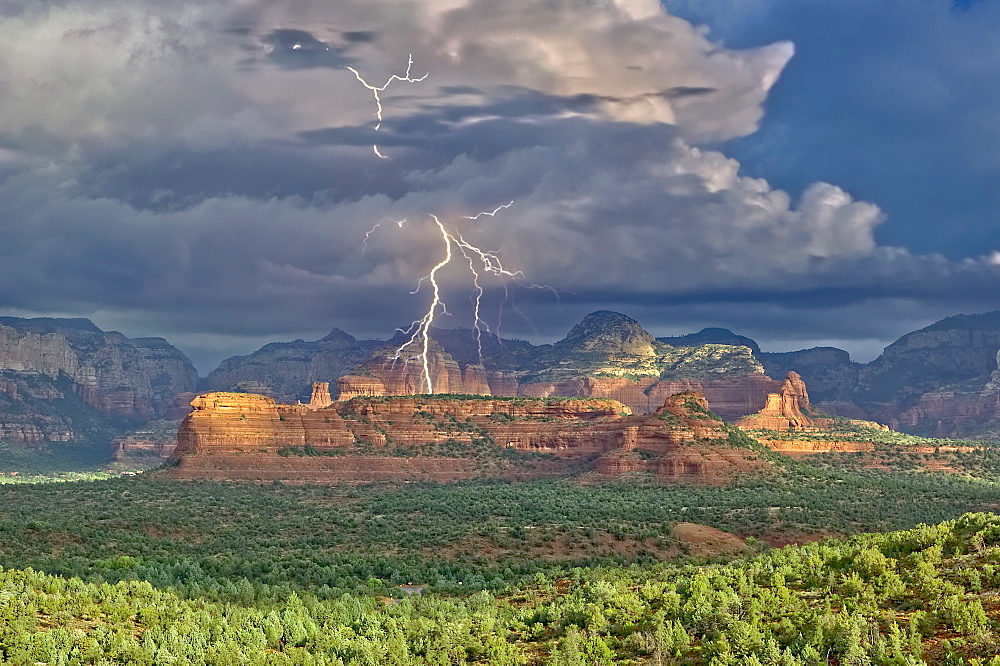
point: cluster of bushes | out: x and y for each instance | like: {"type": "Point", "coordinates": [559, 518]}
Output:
{"type": "Point", "coordinates": [895, 599]}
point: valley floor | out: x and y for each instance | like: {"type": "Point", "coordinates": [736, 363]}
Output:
{"type": "Point", "coordinates": [145, 570]}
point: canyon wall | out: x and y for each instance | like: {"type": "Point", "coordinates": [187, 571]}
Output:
{"type": "Point", "coordinates": [133, 378]}
{"type": "Point", "coordinates": [65, 382]}
{"type": "Point", "coordinates": [450, 437]}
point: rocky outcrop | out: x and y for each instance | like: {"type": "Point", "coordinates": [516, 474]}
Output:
{"type": "Point", "coordinates": [785, 410]}
{"type": "Point", "coordinates": [255, 437]}
{"type": "Point", "coordinates": [286, 370]}
{"type": "Point", "coordinates": [831, 373]}
{"type": "Point", "coordinates": [119, 377]}
{"type": "Point", "coordinates": [320, 396]}
{"type": "Point", "coordinates": [66, 385]}
{"type": "Point", "coordinates": [788, 424]}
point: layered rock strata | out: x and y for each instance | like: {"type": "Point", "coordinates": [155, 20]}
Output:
{"type": "Point", "coordinates": [131, 378]}
{"type": "Point", "coordinates": [789, 412]}
{"type": "Point", "coordinates": [241, 436]}
{"type": "Point", "coordinates": [392, 371]}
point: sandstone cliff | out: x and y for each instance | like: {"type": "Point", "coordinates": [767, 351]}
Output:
{"type": "Point", "coordinates": [607, 355]}
{"type": "Point", "coordinates": [788, 409]}
{"type": "Point", "coordinates": [788, 423]}
{"type": "Point", "coordinates": [117, 376]}
{"type": "Point", "coordinates": [240, 436]}
{"type": "Point", "coordinates": [67, 385]}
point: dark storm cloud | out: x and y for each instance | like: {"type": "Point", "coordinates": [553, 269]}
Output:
{"type": "Point", "coordinates": [167, 176]}
{"type": "Point", "coordinates": [188, 193]}
{"type": "Point", "coordinates": [359, 36]}
{"type": "Point", "coordinates": [298, 49]}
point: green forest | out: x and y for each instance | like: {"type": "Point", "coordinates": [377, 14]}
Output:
{"type": "Point", "coordinates": [910, 597]}
{"type": "Point", "coordinates": [145, 570]}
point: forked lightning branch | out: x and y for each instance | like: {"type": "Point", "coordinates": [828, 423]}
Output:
{"type": "Point", "coordinates": [481, 262]}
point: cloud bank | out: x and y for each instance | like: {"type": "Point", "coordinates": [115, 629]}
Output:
{"type": "Point", "coordinates": [206, 169]}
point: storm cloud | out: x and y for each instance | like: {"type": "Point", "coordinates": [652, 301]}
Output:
{"type": "Point", "coordinates": [206, 172]}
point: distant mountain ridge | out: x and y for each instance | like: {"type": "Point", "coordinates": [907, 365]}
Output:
{"type": "Point", "coordinates": [286, 370]}
{"type": "Point", "coordinates": [66, 382]}
{"type": "Point", "coordinates": [928, 382]}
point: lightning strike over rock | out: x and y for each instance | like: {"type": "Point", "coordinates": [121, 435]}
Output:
{"type": "Point", "coordinates": [421, 327]}
{"type": "Point", "coordinates": [379, 89]}
{"type": "Point", "coordinates": [481, 262]}
{"type": "Point", "coordinates": [454, 244]}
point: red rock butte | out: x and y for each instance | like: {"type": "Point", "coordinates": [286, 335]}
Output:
{"type": "Point", "coordinates": [788, 411]}
{"type": "Point", "coordinates": [450, 437]}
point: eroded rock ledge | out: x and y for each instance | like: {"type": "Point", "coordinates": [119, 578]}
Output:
{"type": "Point", "coordinates": [449, 437]}
{"type": "Point", "coordinates": [787, 423]}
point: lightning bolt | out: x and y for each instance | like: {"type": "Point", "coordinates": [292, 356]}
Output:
{"type": "Point", "coordinates": [490, 213]}
{"type": "Point", "coordinates": [421, 327]}
{"type": "Point", "coordinates": [380, 89]}
{"type": "Point", "coordinates": [454, 244]}
{"type": "Point", "coordinates": [370, 232]}
{"type": "Point", "coordinates": [481, 262]}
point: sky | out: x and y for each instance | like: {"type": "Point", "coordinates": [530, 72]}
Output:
{"type": "Point", "coordinates": [807, 172]}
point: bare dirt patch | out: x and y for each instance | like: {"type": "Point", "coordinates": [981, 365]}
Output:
{"type": "Point", "coordinates": [705, 541]}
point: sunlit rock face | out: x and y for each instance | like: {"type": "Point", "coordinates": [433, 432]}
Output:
{"type": "Point", "coordinates": [241, 436]}
{"type": "Point", "coordinates": [789, 412]}
{"type": "Point", "coordinates": [137, 378]}
{"type": "Point", "coordinates": [785, 410]}
{"type": "Point", "coordinates": [66, 382]}
{"type": "Point", "coordinates": [607, 355]}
